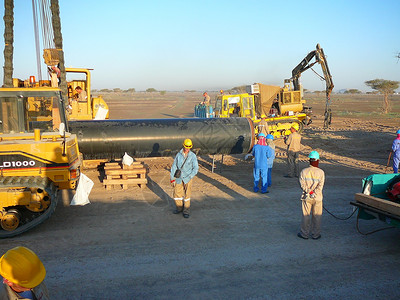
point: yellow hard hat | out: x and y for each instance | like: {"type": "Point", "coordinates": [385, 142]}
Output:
{"type": "Point", "coordinates": [22, 266]}
{"type": "Point", "coordinates": [187, 143]}
{"type": "Point", "coordinates": [296, 126]}
{"type": "Point", "coordinates": [263, 116]}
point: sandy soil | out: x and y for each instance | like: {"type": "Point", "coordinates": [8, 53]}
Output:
{"type": "Point", "coordinates": [237, 244]}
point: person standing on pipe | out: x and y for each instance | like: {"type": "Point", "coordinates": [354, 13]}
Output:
{"type": "Point", "coordinates": [206, 100]}
{"type": "Point", "coordinates": [396, 152]}
{"type": "Point", "coordinates": [184, 168]}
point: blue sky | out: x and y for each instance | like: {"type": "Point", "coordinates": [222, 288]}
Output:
{"type": "Point", "coordinates": [211, 45]}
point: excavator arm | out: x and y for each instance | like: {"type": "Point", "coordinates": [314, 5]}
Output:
{"type": "Point", "coordinates": [306, 64]}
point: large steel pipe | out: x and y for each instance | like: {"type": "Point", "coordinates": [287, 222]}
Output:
{"type": "Point", "coordinates": [109, 139]}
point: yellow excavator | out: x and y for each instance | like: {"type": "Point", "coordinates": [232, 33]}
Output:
{"type": "Point", "coordinates": [282, 106]}
{"type": "Point", "coordinates": [37, 157]}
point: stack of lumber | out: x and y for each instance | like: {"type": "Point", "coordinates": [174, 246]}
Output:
{"type": "Point", "coordinates": [118, 174]}
{"type": "Point", "coordinates": [378, 203]}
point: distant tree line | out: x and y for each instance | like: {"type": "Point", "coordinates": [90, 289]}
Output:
{"type": "Point", "coordinates": [382, 86]}
{"type": "Point", "coordinates": [131, 90]}
{"type": "Point", "coordinates": [116, 90]}
{"type": "Point", "coordinates": [352, 91]}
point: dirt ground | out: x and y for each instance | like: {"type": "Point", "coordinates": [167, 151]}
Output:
{"type": "Point", "coordinates": [237, 244]}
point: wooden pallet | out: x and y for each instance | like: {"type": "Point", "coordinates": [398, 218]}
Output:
{"type": "Point", "coordinates": [122, 175]}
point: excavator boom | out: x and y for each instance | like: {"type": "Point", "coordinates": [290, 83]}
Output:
{"type": "Point", "coordinates": [306, 64]}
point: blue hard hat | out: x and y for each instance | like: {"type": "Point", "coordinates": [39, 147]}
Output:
{"type": "Point", "coordinates": [261, 135]}
{"type": "Point", "coordinates": [270, 137]}
{"type": "Point", "coordinates": [398, 131]}
{"type": "Point", "coordinates": [313, 155]}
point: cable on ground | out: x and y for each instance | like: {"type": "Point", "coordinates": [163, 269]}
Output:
{"type": "Point", "coordinates": [357, 222]}
{"type": "Point", "coordinates": [371, 232]}
{"type": "Point", "coordinates": [336, 217]}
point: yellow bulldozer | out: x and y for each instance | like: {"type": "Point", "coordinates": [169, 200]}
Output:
{"type": "Point", "coordinates": [282, 106]}
{"type": "Point", "coordinates": [38, 156]}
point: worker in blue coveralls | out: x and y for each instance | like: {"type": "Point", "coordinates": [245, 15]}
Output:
{"type": "Point", "coordinates": [183, 169]}
{"type": "Point", "coordinates": [270, 143]}
{"type": "Point", "coordinates": [261, 153]}
{"type": "Point", "coordinates": [396, 152]}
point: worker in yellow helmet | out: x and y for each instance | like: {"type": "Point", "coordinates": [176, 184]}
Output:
{"type": "Point", "coordinates": [183, 169]}
{"type": "Point", "coordinates": [293, 142]}
{"type": "Point", "coordinates": [23, 274]}
{"type": "Point", "coordinates": [263, 126]}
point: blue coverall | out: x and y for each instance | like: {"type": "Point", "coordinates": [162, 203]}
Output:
{"type": "Point", "coordinates": [261, 154]}
{"type": "Point", "coordinates": [270, 163]}
{"type": "Point", "coordinates": [396, 155]}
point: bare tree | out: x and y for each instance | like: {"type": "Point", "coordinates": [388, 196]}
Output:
{"type": "Point", "coordinates": [386, 87]}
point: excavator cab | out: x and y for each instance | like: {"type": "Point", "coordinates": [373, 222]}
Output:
{"type": "Point", "coordinates": [23, 110]}
{"type": "Point", "coordinates": [240, 105]}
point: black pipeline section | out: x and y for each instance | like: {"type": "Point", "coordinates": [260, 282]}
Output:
{"type": "Point", "coordinates": [110, 139]}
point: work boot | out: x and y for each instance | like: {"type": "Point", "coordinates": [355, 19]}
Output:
{"type": "Point", "coordinates": [186, 216]}
{"type": "Point", "coordinates": [177, 211]}
{"type": "Point", "coordinates": [301, 236]}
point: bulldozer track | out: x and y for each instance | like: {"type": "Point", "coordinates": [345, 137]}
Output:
{"type": "Point", "coordinates": [34, 218]}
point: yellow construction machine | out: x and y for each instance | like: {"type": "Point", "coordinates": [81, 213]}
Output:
{"type": "Point", "coordinates": [38, 156]}
{"type": "Point", "coordinates": [282, 106]}
{"type": "Point", "coordinates": [238, 105]}
{"type": "Point", "coordinates": [88, 108]}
